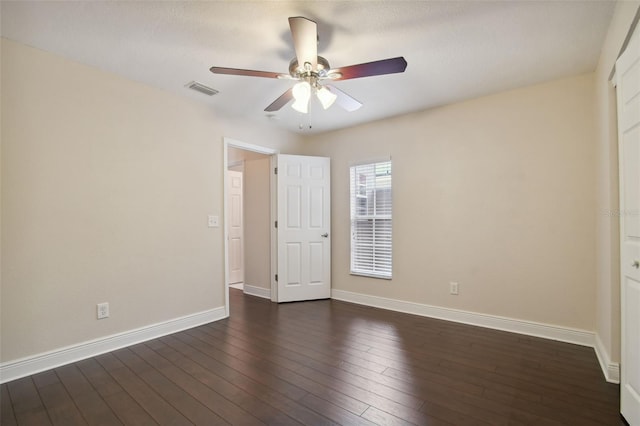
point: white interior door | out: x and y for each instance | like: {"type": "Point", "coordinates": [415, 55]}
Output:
{"type": "Point", "coordinates": [628, 94]}
{"type": "Point", "coordinates": [304, 243]}
{"type": "Point", "coordinates": [235, 224]}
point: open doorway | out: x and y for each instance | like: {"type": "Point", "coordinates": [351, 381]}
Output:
{"type": "Point", "coordinates": [248, 211]}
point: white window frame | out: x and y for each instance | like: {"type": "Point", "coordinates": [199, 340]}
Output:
{"type": "Point", "coordinates": [371, 253]}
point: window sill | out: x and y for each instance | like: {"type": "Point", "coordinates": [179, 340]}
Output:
{"type": "Point", "coordinates": [363, 274]}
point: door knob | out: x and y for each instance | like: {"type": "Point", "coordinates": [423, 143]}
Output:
{"type": "Point", "coordinates": [325, 235]}
{"type": "Point", "coordinates": [636, 264]}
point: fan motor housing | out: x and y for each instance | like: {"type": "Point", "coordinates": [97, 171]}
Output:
{"type": "Point", "coordinates": [298, 72]}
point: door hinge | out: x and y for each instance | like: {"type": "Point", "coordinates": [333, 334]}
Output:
{"type": "Point", "coordinates": [276, 224]}
{"type": "Point", "coordinates": [276, 277]}
{"type": "Point", "coordinates": [275, 171]}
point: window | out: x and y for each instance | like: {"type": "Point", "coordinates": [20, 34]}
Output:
{"type": "Point", "coordinates": [371, 220]}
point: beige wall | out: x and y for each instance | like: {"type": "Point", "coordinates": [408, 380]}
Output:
{"type": "Point", "coordinates": [106, 187]}
{"type": "Point", "coordinates": [608, 242]}
{"type": "Point", "coordinates": [496, 193]}
{"type": "Point", "coordinates": [257, 229]}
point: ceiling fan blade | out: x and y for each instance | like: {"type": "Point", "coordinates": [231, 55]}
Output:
{"type": "Point", "coordinates": [345, 101]}
{"type": "Point", "coordinates": [384, 66]}
{"type": "Point", "coordinates": [281, 101]}
{"type": "Point", "coordinates": [305, 40]}
{"type": "Point", "coordinates": [248, 73]}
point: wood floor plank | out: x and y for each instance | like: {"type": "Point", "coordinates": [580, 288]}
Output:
{"type": "Point", "coordinates": [291, 387]}
{"type": "Point", "coordinates": [558, 414]}
{"type": "Point", "coordinates": [268, 391]}
{"type": "Point", "coordinates": [189, 407]}
{"type": "Point", "coordinates": [308, 385]}
{"type": "Point", "coordinates": [225, 408]}
{"type": "Point", "coordinates": [27, 405]}
{"type": "Point", "coordinates": [128, 411]}
{"type": "Point", "coordinates": [333, 412]}
{"type": "Point", "coordinates": [93, 408]}
{"type": "Point", "coordinates": [326, 374]}
{"type": "Point", "coordinates": [60, 406]}
{"type": "Point", "coordinates": [360, 393]}
{"type": "Point", "coordinates": [98, 377]}
{"type": "Point", "coordinates": [334, 366]}
{"type": "Point", "coordinates": [538, 395]}
{"type": "Point", "coordinates": [323, 363]}
{"type": "Point", "coordinates": [380, 417]}
{"type": "Point", "coordinates": [7, 417]}
{"type": "Point", "coordinates": [444, 398]}
{"type": "Point", "coordinates": [309, 382]}
{"type": "Point", "coordinates": [147, 397]}
{"type": "Point", "coordinates": [45, 378]}
{"type": "Point", "coordinates": [202, 388]}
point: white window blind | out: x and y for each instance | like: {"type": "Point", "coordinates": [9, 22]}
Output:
{"type": "Point", "coordinates": [371, 230]}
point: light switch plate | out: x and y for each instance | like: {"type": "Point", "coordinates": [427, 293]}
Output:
{"type": "Point", "coordinates": [213, 221]}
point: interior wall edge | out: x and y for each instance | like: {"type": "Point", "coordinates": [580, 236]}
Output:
{"type": "Point", "coordinates": [611, 370]}
{"type": "Point", "coordinates": [27, 366]}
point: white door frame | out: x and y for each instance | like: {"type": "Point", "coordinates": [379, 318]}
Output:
{"type": "Point", "coordinates": [229, 142]}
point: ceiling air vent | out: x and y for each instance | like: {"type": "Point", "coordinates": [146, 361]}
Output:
{"type": "Point", "coordinates": [199, 87]}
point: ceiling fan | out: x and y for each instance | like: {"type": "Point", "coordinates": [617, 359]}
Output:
{"type": "Point", "coordinates": [310, 70]}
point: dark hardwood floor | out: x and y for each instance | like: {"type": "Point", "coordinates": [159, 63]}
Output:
{"type": "Point", "coordinates": [323, 363]}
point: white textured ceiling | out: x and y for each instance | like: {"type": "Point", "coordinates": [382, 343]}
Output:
{"type": "Point", "coordinates": [455, 50]}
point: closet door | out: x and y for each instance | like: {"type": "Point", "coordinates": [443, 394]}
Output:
{"type": "Point", "coordinates": [628, 94]}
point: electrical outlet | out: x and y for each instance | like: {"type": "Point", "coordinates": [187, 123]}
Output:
{"type": "Point", "coordinates": [453, 288]}
{"type": "Point", "coordinates": [103, 310]}
{"type": "Point", "coordinates": [212, 221]}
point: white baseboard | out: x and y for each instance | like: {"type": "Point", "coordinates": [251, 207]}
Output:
{"type": "Point", "coordinates": [611, 370]}
{"type": "Point", "coordinates": [529, 328]}
{"type": "Point", "coordinates": [34, 364]}
{"type": "Point", "coordinates": [252, 290]}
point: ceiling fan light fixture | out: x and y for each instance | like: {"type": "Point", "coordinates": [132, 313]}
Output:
{"type": "Point", "coordinates": [310, 70]}
{"type": "Point", "coordinates": [300, 106]}
{"type": "Point", "coordinates": [301, 94]}
{"type": "Point", "coordinates": [326, 97]}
